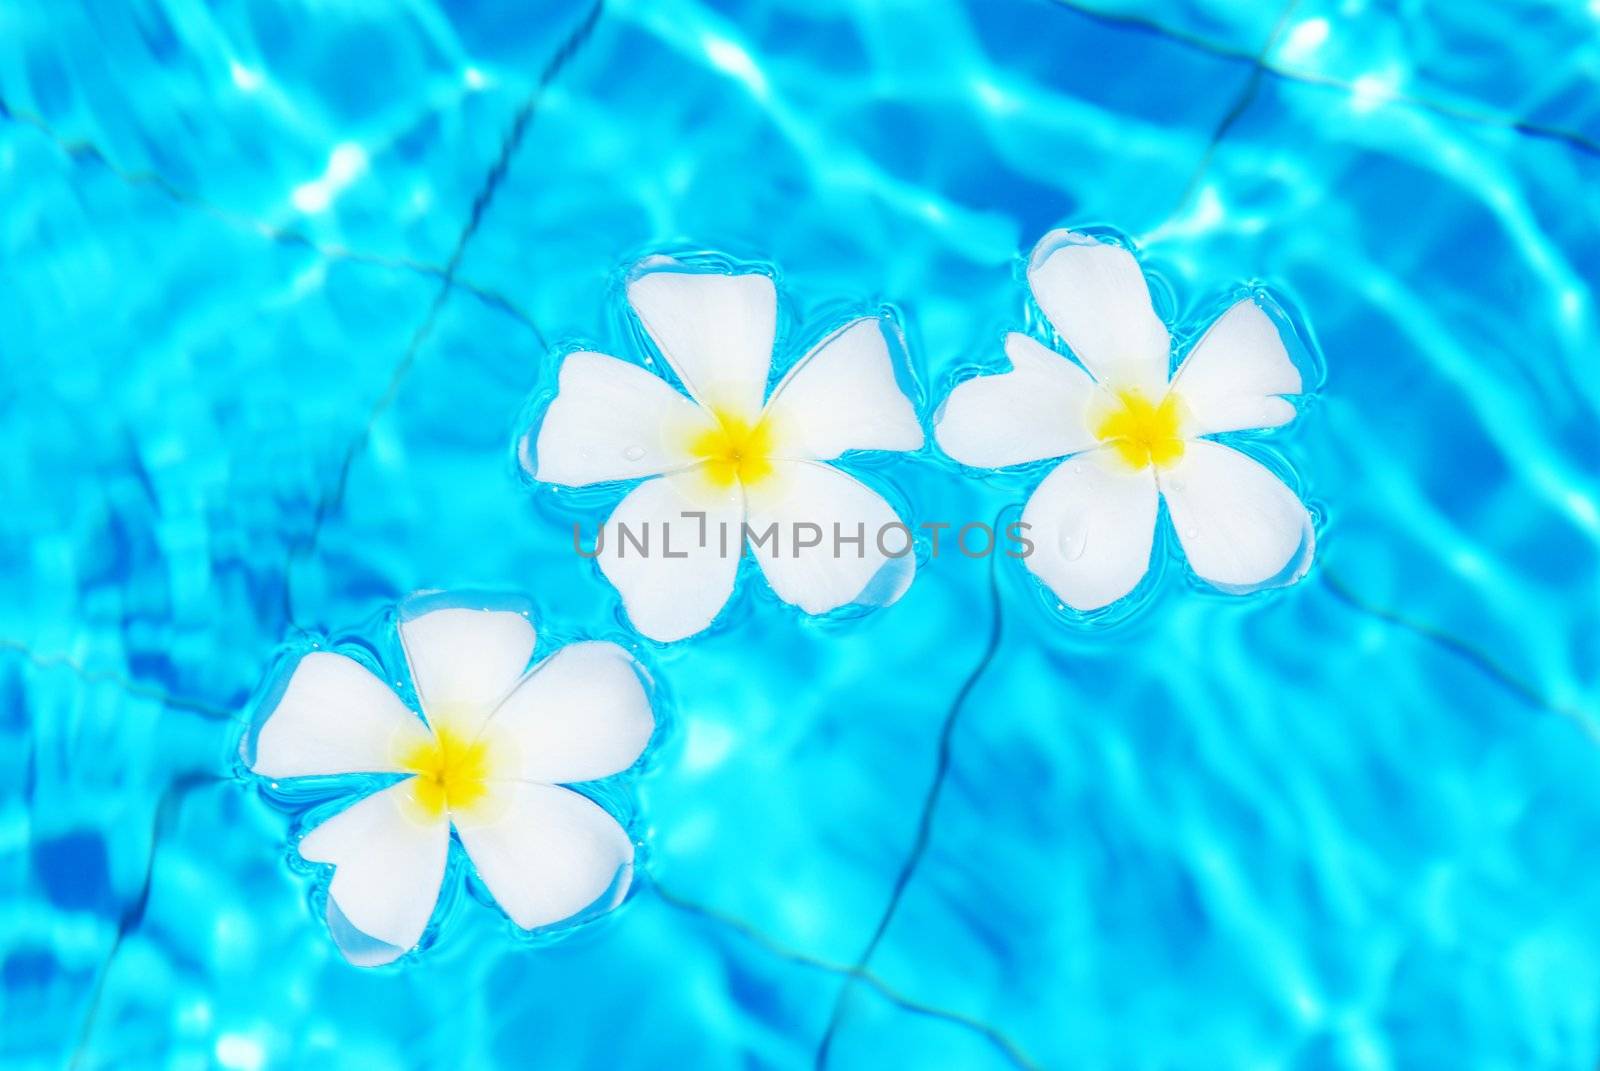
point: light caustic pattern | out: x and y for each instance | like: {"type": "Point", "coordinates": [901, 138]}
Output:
{"type": "Point", "coordinates": [278, 285]}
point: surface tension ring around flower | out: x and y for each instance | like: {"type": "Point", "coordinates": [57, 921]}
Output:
{"type": "Point", "coordinates": [725, 456]}
{"type": "Point", "coordinates": [1132, 436]}
{"type": "Point", "coordinates": [488, 756]}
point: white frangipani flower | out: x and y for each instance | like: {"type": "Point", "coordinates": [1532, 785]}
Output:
{"type": "Point", "coordinates": [1132, 436]}
{"type": "Point", "coordinates": [730, 454]}
{"type": "Point", "coordinates": [495, 743]}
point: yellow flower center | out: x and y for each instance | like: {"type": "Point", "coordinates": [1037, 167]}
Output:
{"type": "Point", "coordinates": [1142, 434]}
{"type": "Point", "coordinates": [734, 450]}
{"type": "Point", "coordinates": [452, 772]}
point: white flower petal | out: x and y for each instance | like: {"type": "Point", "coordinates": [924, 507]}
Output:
{"type": "Point", "coordinates": [1092, 522]}
{"type": "Point", "coordinates": [843, 396]}
{"type": "Point", "coordinates": [715, 330]}
{"type": "Point", "coordinates": [1240, 526]}
{"type": "Point", "coordinates": [1035, 411]}
{"type": "Point", "coordinates": [1096, 298]}
{"type": "Point", "coordinates": [550, 854]}
{"type": "Point", "coordinates": [581, 714]}
{"type": "Point", "coordinates": [335, 717]}
{"type": "Point", "coordinates": [388, 865]}
{"type": "Point", "coordinates": [463, 661]}
{"type": "Point", "coordinates": [670, 597]}
{"type": "Point", "coordinates": [612, 420]}
{"type": "Point", "coordinates": [802, 499]}
{"type": "Point", "coordinates": [1232, 378]}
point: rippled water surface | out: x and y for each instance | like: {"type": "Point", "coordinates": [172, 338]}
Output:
{"type": "Point", "coordinates": [277, 279]}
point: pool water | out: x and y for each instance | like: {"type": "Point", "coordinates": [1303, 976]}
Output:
{"type": "Point", "coordinates": [278, 280]}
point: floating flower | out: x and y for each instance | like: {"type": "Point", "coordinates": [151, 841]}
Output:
{"type": "Point", "coordinates": [1132, 436]}
{"type": "Point", "coordinates": [729, 460]}
{"type": "Point", "coordinates": [495, 743]}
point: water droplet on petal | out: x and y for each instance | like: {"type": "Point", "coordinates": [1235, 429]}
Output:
{"type": "Point", "coordinates": [633, 453]}
{"type": "Point", "coordinates": [1074, 541]}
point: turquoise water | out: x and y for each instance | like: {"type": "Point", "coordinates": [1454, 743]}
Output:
{"type": "Point", "coordinates": [277, 282]}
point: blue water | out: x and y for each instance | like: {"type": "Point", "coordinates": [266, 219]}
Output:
{"type": "Point", "coordinates": [277, 280]}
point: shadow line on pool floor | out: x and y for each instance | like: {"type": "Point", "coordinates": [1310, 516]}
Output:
{"type": "Point", "coordinates": [127, 685]}
{"type": "Point", "coordinates": [1526, 127]}
{"type": "Point", "coordinates": [133, 913]}
{"type": "Point", "coordinates": [851, 973]}
{"type": "Point", "coordinates": [333, 497]}
{"type": "Point", "coordinates": [930, 802]}
{"type": "Point", "coordinates": [80, 149]}
{"type": "Point", "coordinates": [1461, 648]}
{"type": "Point", "coordinates": [1240, 105]}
